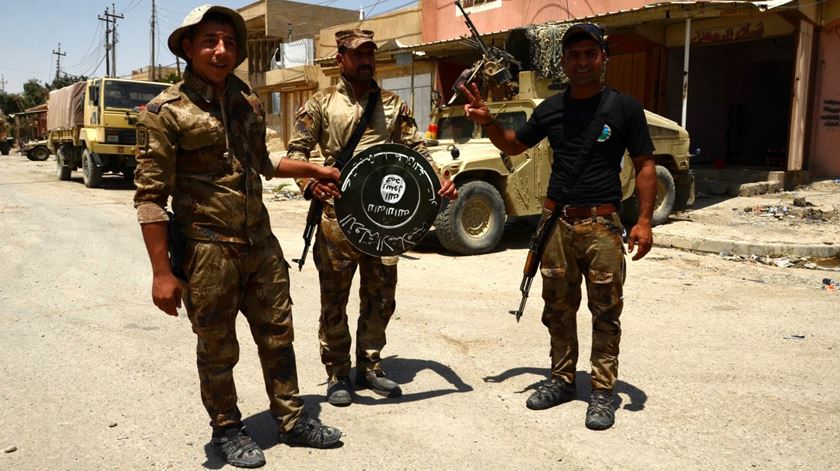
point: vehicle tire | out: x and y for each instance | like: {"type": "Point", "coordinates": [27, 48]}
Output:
{"type": "Point", "coordinates": [91, 174]}
{"type": "Point", "coordinates": [5, 148]}
{"type": "Point", "coordinates": [62, 170]}
{"type": "Point", "coordinates": [38, 154]}
{"type": "Point", "coordinates": [662, 207]}
{"type": "Point", "coordinates": [128, 174]}
{"type": "Point", "coordinates": [665, 195]}
{"type": "Point", "coordinates": [472, 223]}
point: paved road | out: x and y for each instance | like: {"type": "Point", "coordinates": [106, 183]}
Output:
{"type": "Point", "coordinates": [93, 377]}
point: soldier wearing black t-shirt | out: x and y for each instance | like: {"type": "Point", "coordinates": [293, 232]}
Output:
{"type": "Point", "coordinates": [585, 242]}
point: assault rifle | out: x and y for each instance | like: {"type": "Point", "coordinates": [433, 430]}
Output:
{"type": "Point", "coordinates": [494, 64]}
{"type": "Point", "coordinates": [313, 220]}
{"type": "Point", "coordinates": [532, 261]}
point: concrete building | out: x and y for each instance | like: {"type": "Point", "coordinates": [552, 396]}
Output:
{"type": "Point", "coordinates": [281, 53]}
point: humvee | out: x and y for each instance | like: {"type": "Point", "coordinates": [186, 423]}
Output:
{"type": "Point", "coordinates": [493, 186]}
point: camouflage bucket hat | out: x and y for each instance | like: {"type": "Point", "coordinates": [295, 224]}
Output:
{"type": "Point", "coordinates": [194, 17]}
{"type": "Point", "coordinates": [354, 38]}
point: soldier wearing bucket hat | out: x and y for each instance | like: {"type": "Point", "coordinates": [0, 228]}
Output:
{"type": "Point", "coordinates": [589, 127]}
{"type": "Point", "coordinates": [202, 143]}
{"type": "Point", "coordinates": [328, 121]}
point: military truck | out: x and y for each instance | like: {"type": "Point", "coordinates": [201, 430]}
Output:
{"type": "Point", "coordinates": [6, 139]}
{"type": "Point", "coordinates": [493, 186]}
{"type": "Point", "coordinates": [91, 126]}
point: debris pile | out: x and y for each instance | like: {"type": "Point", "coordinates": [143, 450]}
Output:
{"type": "Point", "coordinates": [809, 263]}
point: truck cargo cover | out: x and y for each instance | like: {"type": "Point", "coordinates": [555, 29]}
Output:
{"type": "Point", "coordinates": [65, 108]}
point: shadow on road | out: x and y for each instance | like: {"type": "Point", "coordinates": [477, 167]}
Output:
{"type": "Point", "coordinates": [583, 382]}
{"type": "Point", "coordinates": [403, 371]}
{"type": "Point", "coordinates": [109, 182]}
{"type": "Point", "coordinates": [516, 235]}
{"type": "Point", "coordinates": [263, 428]}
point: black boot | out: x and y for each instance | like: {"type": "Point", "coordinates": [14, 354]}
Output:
{"type": "Point", "coordinates": [310, 432]}
{"type": "Point", "coordinates": [338, 391]}
{"type": "Point", "coordinates": [600, 414]}
{"type": "Point", "coordinates": [377, 382]}
{"type": "Point", "coordinates": [550, 393]}
{"type": "Point", "coordinates": [237, 448]}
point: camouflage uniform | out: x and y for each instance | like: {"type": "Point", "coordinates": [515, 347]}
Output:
{"type": "Point", "coordinates": [590, 247]}
{"type": "Point", "coordinates": [209, 157]}
{"type": "Point", "coordinates": [327, 120]}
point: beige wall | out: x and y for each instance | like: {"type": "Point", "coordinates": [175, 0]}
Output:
{"type": "Point", "coordinates": [736, 28]}
{"type": "Point", "coordinates": [403, 25]}
{"type": "Point", "coordinates": [306, 19]}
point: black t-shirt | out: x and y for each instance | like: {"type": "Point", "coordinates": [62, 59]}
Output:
{"type": "Point", "coordinates": [565, 120]}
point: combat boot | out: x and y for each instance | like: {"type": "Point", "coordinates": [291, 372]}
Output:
{"type": "Point", "coordinates": [338, 391]}
{"type": "Point", "coordinates": [600, 414]}
{"type": "Point", "coordinates": [377, 382]}
{"type": "Point", "coordinates": [550, 393]}
{"type": "Point", "coordinates": [310, 432]}
{"type": "Point", "coordinates": [237, 448]}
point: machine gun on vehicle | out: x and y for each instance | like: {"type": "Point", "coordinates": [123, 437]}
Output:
{"type": "Point", "coordinates": [493, 67]}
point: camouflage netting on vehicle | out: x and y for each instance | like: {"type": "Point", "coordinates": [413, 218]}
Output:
{"type": "Point", "coordinates": [545, 49]}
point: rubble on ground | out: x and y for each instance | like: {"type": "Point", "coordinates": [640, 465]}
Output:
{"type": "Point", "coordinates": [810, 263]}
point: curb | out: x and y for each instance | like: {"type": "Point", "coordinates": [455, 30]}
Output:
{"type": "Point", "coordinates": [769, 249]}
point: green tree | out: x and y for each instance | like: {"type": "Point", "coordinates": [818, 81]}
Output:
{"type": "Point", "coordinates": [10, 103]}
{"type": "Point", "coordinates": [33, 93]}
{"type": "Point", "coordinates": [65, 80]}
{"type": "Point", "coordinates": [172, 78]}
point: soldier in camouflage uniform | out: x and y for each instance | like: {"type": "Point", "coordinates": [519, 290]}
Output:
{"type": "Point", "coordinates": [328, 120]}
{"type": "Point", "coordinates": [585, 241]}
{"type": "Point", "coordinates": [202, 142]}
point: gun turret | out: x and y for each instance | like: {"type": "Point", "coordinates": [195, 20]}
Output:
{"type": "Point", "coordinates": [494, 65]}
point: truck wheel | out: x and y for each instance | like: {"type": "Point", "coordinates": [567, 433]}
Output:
{"type": "Point", "coordinates": [38, 154]}
{"type": "Point", "coordinates": [62, 169]}
{"type": "Point", "coordinates": [91, 174]}
{"type": "Point", "coordinates": [5, 148]}
{"type": "Point", "coordinates": [472, 223]}
{"type": "Point", "coordinates": [662, 207]}
{"type": "Point", "coordinates": [665, 196]}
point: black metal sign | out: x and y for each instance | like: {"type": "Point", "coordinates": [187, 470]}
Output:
{"type": "Point", "coordinates": [389, 199]}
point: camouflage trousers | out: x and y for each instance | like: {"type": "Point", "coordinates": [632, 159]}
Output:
{"type": "Point", "coordinates": [589, 248]}
{"type": "Point", "coordinates": [337, 261]}
{"type": "Point", "coordinates": [223, 279]}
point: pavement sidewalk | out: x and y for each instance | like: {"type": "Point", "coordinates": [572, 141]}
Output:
{"type": "Point", "coordinates": [800, 223]}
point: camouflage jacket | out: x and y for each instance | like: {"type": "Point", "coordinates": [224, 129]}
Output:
{"type": "Point", "coordinates": [208, 155]}
{"type": "Point", "coordinates": [329, 118]}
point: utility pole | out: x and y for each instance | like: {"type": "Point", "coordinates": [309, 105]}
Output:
{"type": "Point", "coordinates": [152, 61]}
{"type": "Point", "coordinates": [58, 61]}
{"type": "Point", "coordinates": [3, 83]}
{"type": "Point", "coordinates": [107, 42]}
{"type": "Point", "coordinates": [113, 16]}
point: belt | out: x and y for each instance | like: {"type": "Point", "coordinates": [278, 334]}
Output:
{"type": "Point", "coordinates": [580, 212]}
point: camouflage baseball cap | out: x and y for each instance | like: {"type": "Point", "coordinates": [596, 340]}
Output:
{"type": "Point", "coordinates": [354, 38]}
{"type": "Point", "coordinates": [196, 16]}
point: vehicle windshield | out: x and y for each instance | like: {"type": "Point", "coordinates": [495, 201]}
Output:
{"type": "Point", "coordinates": [457, 128]}
{"type": "Point", "coordinates": [130, 95]}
